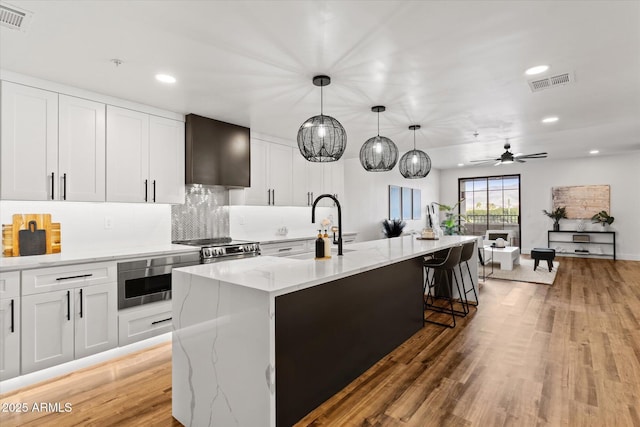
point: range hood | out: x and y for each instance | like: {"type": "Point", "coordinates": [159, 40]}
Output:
{"type": "Point", "coordinates": [217, 153]}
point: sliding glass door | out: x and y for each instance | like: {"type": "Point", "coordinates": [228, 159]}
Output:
{"type": "Point", "coordinates": [491, 203]}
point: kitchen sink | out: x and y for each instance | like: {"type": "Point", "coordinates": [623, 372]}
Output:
{"type": "Point", "coordinates": [312, 255]}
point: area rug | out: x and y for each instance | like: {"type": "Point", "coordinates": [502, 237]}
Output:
{"type": "Point", "coordinates": [524, 272]}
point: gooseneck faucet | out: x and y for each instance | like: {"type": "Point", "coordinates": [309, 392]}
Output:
{"type": "Point", "coordinates": [313, 216]}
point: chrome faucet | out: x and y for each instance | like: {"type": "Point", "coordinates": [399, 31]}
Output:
{"type": "Point", "coordinates": [313, 216]}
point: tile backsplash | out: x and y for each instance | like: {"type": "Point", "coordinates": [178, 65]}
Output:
{"type": "Point", "coordinates": [204, 214]}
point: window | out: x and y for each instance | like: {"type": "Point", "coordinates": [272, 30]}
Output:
{"type": "Point", "coordinates": [491, 203]}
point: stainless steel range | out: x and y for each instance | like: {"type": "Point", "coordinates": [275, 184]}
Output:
{"type": "Point", "coordinates": [222, 249]}
{"type": "Point", "coordinates": [149, 280]}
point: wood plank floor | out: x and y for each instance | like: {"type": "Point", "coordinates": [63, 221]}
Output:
{"type": "Point", "coordinates": [531, 355]}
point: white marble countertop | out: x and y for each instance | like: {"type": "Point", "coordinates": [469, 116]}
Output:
{"type": "Point", "coordinates": [273, 238]}
{"type": "Point", "coordinates": [282, 275]}
{"type": "Point", "coordinates": [91, 255]}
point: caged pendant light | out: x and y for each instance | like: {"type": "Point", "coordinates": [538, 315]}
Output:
{"type": "Point", "coordinates": [322, 138]}
{"type": "Point", "coordinates": [378, 154]}
{"type": "Point", "coordinates": [415, 164]}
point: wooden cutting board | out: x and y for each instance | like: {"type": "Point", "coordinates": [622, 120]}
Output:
{"type": "Point", "coordinates": [11, 233]}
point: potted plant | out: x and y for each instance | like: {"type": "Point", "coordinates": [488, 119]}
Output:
{"type": "Point", "coordinates": [602, 218]}
{"type": "Point", "coordinates": [452, 223]}
{"type": "Point", "coordinates": [393, 228]}
{"type": "Point", "coordinates": [556, 215]}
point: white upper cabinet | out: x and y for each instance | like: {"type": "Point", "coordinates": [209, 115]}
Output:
{"type": "Point", "coordinates": [145, 157]}
{"type": "Point", "coordinates": [271, 172]}
{"type": "Point", "coordinates": [280, 173]}
{"type": "Point", "coordinates": [307, 180]}
{"type": "Point", "coordinates": [81, 146]}
{"type": "Point", "coordinates": [259, 193]}
{"type": "Point", "coordinates": [29, 143]}
{"type": "Point", "coordinates": [166, 160]}
{"type": "Point", "coordinates": [54, 146]}
{"type": "Point", "coordinates": [333, 178]}
{"type": "Point", "coordinates": [127, 155]}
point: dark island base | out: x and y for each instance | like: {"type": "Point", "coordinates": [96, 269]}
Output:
{"type": "Point", "coordinates": [326, 336]}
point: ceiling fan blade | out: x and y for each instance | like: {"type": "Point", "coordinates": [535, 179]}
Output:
{"type": "Point", "coordinates": [483, 161]}
{"type": "Point", "coordinates": [534, 156]}
{"type": "Point", "coordinates": [498, 163]}
{"type": "Point", "coordinates": [519, 160]}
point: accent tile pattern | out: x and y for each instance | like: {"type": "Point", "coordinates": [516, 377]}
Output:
{"type": "Point", "coordinates": [204, 214]}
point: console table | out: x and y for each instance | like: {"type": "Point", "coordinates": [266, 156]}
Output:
{"type": "Point", "coordinates": [583, 243]}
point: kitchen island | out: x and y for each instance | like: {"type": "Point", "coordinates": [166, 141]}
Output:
{"type": "Point", "coordinates": [262, 341]}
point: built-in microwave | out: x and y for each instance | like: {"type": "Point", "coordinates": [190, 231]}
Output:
{"type": "Point", "coordinates": [149, 280]}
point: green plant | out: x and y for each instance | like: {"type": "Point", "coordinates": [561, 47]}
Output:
{"type": "Point", "coordinates": [452, 223]}
{"type": "Point", "coordinates": [393, 228]}
{"type": "Point", "coordinates": [556, 215]}
{"type": "Point", "coordinates": [602, 218]}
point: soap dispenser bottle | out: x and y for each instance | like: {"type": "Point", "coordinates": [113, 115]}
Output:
{"type": "Point", "coordinates": [327, 244]}
{"type": "Point", "coordinates": [319, 245]}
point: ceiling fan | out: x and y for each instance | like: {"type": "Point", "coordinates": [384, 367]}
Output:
{"type": "Point", "coordinates": [508, 157]}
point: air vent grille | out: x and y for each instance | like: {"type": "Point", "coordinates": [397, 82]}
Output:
{"type": "Point", "coordinates": [549, 82]}
{"type": "Point", "coordinates": [14, 18]}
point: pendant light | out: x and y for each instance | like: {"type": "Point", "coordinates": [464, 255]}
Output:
{"type": "Point", "coordinates": [322, 138]}
{"type": "Point", "coordinates": [415, 164]}
{"type": "Point", "coordinates": [378, 154]}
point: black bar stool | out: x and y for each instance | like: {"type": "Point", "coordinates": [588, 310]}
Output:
{"type": "Point", "coordinates": [467, 253]}
{"type": "Point", "coordinates": [444, 266]}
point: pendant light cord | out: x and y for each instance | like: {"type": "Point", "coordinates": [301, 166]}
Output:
{"type": "Point", "coordinates": [414, 140]}
{"type": "Point", "coordinates": [321, 101]}
{"type": "Point", "coordinates": [378, 123]}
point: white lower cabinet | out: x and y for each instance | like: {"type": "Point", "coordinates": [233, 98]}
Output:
{"type": "Point", "coordinates": [145, 321]}
{"type": "Point", "coordinates": [47, 330]}
{"type": "Point", "coordinates": [9, 338]}
{"type": "Point", "coordinates": [9, 325]}
{"type": "Point", "coordinates": [67, 313]}
{"type": "Point", "coordinates": [96, 319]}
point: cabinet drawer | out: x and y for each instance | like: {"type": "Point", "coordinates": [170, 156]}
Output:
{"type": "Point", "coordinates": [67, 277]}
{"type": "Point", "coordinates": [9, 284]}
{"type": "Point", "coordinates": [284, 248]}
{"type": "Point", "coordinates": [139, 323]}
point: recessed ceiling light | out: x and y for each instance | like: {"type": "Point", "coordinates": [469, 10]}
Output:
{"type": "Point", "coordinates": [594, 152]}
{"type": "Point", "coordinates": [536, 70]}
{"type": "Point", "coordinates": [165, 78]}
{"type": "Point", "coordinates": [460, 164]}
{"type": "Point", "coordinates": [552, 119]}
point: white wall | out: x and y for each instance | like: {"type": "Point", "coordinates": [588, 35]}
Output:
{"type": "Point", "coordinates": [366, 201]}
{"type": "Point", "coordinates": [622, 173]}
{"type": "Point", "coordinates": [261, 223]}
{"type": "Point", "coordinates": [82, 224]}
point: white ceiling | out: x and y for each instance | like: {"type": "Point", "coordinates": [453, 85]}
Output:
{"type": "Point", "coordinates": [454, 67]}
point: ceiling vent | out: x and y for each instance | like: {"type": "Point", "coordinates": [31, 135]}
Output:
{"type": "Point", "coordinates": [14, 17]}
{"type": "Point", "coordinates": [549, 82]}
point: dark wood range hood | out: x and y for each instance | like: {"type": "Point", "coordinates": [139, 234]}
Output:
{"type": "Point", "coordinates": [217, 153]}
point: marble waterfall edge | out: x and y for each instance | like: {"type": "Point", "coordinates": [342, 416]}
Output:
{"type": "Point", "coordinates": [222, 331]}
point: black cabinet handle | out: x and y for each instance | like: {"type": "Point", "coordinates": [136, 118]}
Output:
{"type": "Point", "coordinates": [273, 197]}
{"type": "Point", "coordinates": [53, 185]}
{"type": "Point", "coordinates": [146, 190]}
{"type": "Point", "coordinates": [160, 321]}
{"type": "Point", "coordinates": [13, 326]}
{"type": "Point", "coordinates": [68, 305]}
{"type": "Point", "coordinates": [64, 186]}
{"type": "Point", "coordinates": [75, 277]}
{"type": "Point", "coordinates": [81, 303]}
{"type": "Point", "coordinates": [284, 249]}
{"type": "Point", "coordinates": [268, 196]}
{"type": "Point", "coordinates": [154, 191]}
